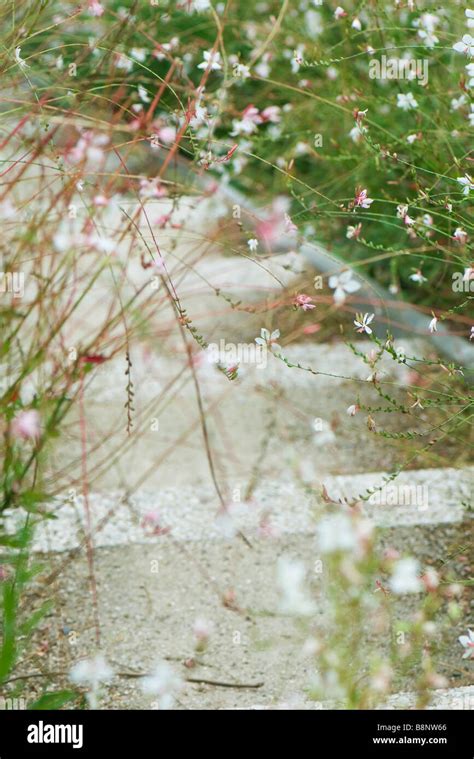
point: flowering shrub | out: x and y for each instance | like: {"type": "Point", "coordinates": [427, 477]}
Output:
{"type": "Point", "coordinates": [126, 128]}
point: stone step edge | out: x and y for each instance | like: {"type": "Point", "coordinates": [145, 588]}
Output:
{"type": "Point", "coordinates": [461, 698]}
{"type": "Point", "coordinates": [278, 509]}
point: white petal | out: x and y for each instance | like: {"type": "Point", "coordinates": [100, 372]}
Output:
{"type": "Point", "coordinates": [352, 286]}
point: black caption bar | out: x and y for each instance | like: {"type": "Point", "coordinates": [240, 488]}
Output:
{"type": "Point", "coordinates": [377, 733]}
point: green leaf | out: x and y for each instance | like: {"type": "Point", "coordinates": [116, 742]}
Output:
{"type": "Point", "coordinates": [29, 625]}
{"type": "Point", "coordinates": [30, 498]}
{"type": "Point", "coordinates": [8, 646]}
{"type": "Point", "coordinates": [53, 700]}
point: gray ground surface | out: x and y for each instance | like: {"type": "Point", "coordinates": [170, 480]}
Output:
{"type": "Point", "coordinates": [149, 596]}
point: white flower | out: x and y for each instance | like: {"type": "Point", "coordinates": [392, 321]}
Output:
{"type": "Point", "coordinates": [470, 72]}
{"type": "Point", "coordinates": [314, 23]}
{"type": "Point", "coordinates": [411, 138]}
{"type": "Point", "coordinates": [381, 678]}
{"type": "Point", "coordinates": [467, 642]}
{"type": "Point", "coordinates": [402, 211]}
{"type": "Point", "coordinates": [297, 59]}
{"type": "Point", "coordinates": [427, 24]}
{"type": "Point", "coordinates": [19, 59]}
{"type": "Point", "coordinates": [352, 410]}
{"type": "Point", "coordinates": [406, 102]}
{"type": "Point", "coordinates": [269, 339]}
{"type": "Point", "coordinates": [357, 132]}
{"type": "Point", "coordinates": [467, 183]}
{"type": "Point", "coordinates": [405, 577]}
{"type": "Point", "coordinates": [470, 17]}
{"type": "Point", "coordinates": [211, 60]}
{"type": "Point", "coordinates": [241, 71]}
{"type": "Point", "coordinates": [342, 284]}
{"type": "Point", "coordinates": [139, 53]}
{"type": "Point", "coordinates": [471, 336]}
{"type": "Point", "coordinates": [336, 533]}
{"type": "Point", "coordinates": [471, 116]}
{"type": "Point", "coordinates": [428, 38]}
{"type": "Point", "coordinates": [401, 353]}
{"type": "Point", "coordinates": [457, 103]}
{"type": "Point", "coordinates": [198, 5]}
{"type": "Point", "coordinates": [362, 323]}
{"type": "Point", "coordinates": [433, 325]}
{"type": "Point", "coordinates": [263, 68]}
{"type": "Point", "coordinates": [460, 235]}
{"type": "Point", "coordinates": [427, 21]}
{"type": "Point", "coordinates": [253, 244]}
{"type": "Point", "coordinates": [7, 209]}
{"type": "Point", "coordinates": [143, 94]}
{"type": "Point", "coordinates": [163, 683]}
{"type": "Point", "coordinates": [339, 13]}
{"type": "Point", "coordinates": [466, 46]}
{"type": "Point", "coordinates": [290, 579]}
{"type": "Point", "coordinates": [91, 673]}
{"type": "Point", "coordinates": [356, 24]}
{"type": "Point", "coordinates": [418, 277]}
{"type": "Point", "coordinates": [123, 62]}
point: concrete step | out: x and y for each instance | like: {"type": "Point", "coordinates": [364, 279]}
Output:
{"type": "Point", "coordinates": [150, 589]}
{"type": "Point", "coordinates": [150, 593]}
{"type": "Point", "coordinates": [269, 422]}
{"type": "Point", "coordinates": [441, 698]}
{"type": "Point", "coordinates": [416, 498]}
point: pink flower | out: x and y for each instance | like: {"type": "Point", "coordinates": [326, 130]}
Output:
{"type": "Point", "coordinates": [95, 8]}
{"type": "Point", "coordinates": [304, 302]}
{"type": "Point", "coordinates": [26, 425]}
{"type": "Point", "coordinates": [89, 147]}
{"type": "Point", "coordinates": [202, 630]}
{"type": "Point", "coordinates": [353, 233]}
{"type": "Point", "coordinates": [430, 579]}
{"type": "Point", "coordinates": [271, 113]}
{"type": "Point", "coordinates": [151, 523]}
{"type": "Point", "coordinates": [265, 528]}
{"type": "Point", "coordinates": [310, 329]}
{"type": "Point", "coordinates": [251, 118]}
{"type": "Point", "coordinates": [166, 134]}
{"type": "Point", "coordinates": [152, 188]}
{"type": "Point", "coordinates": [100, 200]}
{"type": "Point", "coordinates": [275, 225]}
{"type": "Point", "coordinates": [361, 199]}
